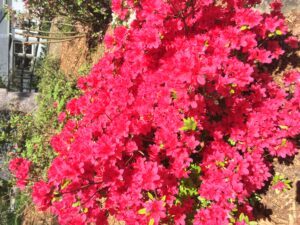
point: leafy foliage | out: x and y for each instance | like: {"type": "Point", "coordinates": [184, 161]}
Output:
{"type": "Point", "coordinates": [280, 183]}
{"type": "Point", "coordinates": [8, 215]}
{"type": "Point", "coordinates": [91, 12]}
{"type": "Point", "coordinates": [189, 124]}
{"type": "Point", "coordinates": [28, 135]}
{"type": "Point", "coordinates": [32, 131]}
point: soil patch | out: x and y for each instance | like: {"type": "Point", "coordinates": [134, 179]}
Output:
{"type": "Point", "coordinates": [283, 208]}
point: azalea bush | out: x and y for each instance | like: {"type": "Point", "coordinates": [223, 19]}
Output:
{"type": "Point", "coordinates": [177, 120]}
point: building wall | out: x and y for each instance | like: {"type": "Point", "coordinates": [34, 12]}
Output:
{"type": "Point", "coordinates": [4, 44]}
{"type": "Point", "coordinates": [8, 37]}
{"type": "Point", "coordinates": [18, 5]}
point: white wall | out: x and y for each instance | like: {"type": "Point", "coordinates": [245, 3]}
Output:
{"type": "Point", "coordinates": [4, 42]}
{"type": "Point", "coordinates": [18, 5]}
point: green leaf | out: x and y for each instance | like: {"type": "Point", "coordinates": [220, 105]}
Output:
{"type": "Point", "coordinates": [79, 2]}
{"type": "Point", "coordinates": [189, 124]}
{"type": "Point", "coordinates": [288, 184]}
{"type": "Point", "coordinates": [231, 142]}
{"type": "Point", "coordinates": [56, 199]}
{"type": "Point", "coordinates": [173, 95]}
{"type": "Point", "coordinates": [278, 32]}
{"type": "Point", "coordinates": [283, 127]}
{"type": "Point", "coordinates": [204, 202]}
{"type": "Point", "coordinates": [142, 211]}
{"type": "Point", "coordinates": [283, 142]}
{"type": "Point", "coordinates": [85, 210]}
{"type": "Point", "coordinates": [221, 164]}
{"type": "Point", "coordinates": [252, 223]}
{"type": "Point", "coordinates": [241, 217]}
{"type": "Point", "coordinates": [245, 27]}
{"type": "Point", "coordinates": [56, 193]}
{"type": "Point", "coordinates": [150, 196]}
{"type": "Point", "coordinates": [66, 183]}
{"type": "Point", "coordinates": [234, 210]}
{"type": "Point", "coordinates": [151, 221]}
{"type": "Point", "coordinates": [271, 35]}
{"type": "Point", "coordinates": [196, 168]}
{"type": "Point", "coordinates": [246, 219]}
{"type": "Point", "coordinates": [76, 204]}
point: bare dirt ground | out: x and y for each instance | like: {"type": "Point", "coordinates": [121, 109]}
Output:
{"type": "Point", "coordinates": [284, 208]}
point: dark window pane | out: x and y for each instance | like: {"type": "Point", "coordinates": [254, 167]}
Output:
{"type": "Point", "coordinates": [27, 64]}
{"type": "Point", "coordinates": [19, 60]}
{"type": "Point", "coordinates": [18, 47]}
{"type": "Point", "coordinates": [28, 49]}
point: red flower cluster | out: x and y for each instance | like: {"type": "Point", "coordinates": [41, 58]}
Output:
{"type": "Point", "coordinates": [20, 168]}
{"type": "Point", "coordinates": [184, 85]}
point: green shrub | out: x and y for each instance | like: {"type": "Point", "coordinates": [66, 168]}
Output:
{"type": "Point", "coordinates": [28, 134]}
{"type": "Point", "coordinates": [54, 92]}
{"type": "Point", "coordinates": [92, 13]}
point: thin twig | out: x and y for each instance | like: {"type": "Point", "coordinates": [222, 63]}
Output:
{"type": "Point", "coordinates": [48, 42]}
{"type": "Point", "coordinates": [48, 32]}
{"type": "Point", "coordinates": [47, 37]}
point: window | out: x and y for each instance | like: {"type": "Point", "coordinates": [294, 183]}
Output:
{"type": "Point", "coordinates": [19, 60]}
{"type": "Point", "coordinates": [28, 49]}
{"type": "Point", "coordinates": [20, 48]}
{"type": "Point", "coordinates": [23, 56]}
